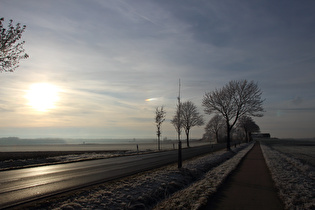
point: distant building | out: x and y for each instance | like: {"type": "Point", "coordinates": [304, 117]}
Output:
{"type": "Point", "coordinates": [261, 135]}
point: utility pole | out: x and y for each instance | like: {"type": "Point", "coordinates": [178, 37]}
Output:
{"type": "Point", "coordinates": [179, 130]}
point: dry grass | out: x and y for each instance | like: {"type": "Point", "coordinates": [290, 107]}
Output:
{"type": "Point", "coordinates": [294, 179]}
{"type": "Point", "coordinates": [197, 194]}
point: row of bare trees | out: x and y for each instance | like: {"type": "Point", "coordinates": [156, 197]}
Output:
{"type": "Point", "coordinates": [189, 117]}
{"type": "Point", "coordinates": [186, 117]}
{"type": "Point", "coordinates": [233, 105]}
{"type": "Point", "coordinates": [216, 129]}
{"type": "Point", "coordinates": [235, 101]}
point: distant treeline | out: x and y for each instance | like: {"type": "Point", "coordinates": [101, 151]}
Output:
{"type": "Point", "coordinates": [18, 141]}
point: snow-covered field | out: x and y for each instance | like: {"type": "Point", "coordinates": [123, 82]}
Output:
{"type": "Point", "coordinates": [34, 155]}
{"type": "Point", "coordinates": [145, 190]}
{"type": "Point", "coordinates": [302, 149]}
{"type": "Point", "coordinates": [292, 171]}
{"type": "Point", "coordinates": [120, 146]}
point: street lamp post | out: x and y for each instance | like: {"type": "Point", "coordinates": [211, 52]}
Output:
{"type": "Point", "coordinates": [179, 130]}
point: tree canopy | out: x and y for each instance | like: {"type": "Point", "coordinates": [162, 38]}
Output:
{"type": "Point", "coordinates": [235, 99]}
{"type": "Point", "coordinates": [190, 117]}
{"type": "Point", "coordinates": [159, 119]}
{"type": "Point", "coordinates": [214, 126]}
{"type": "Point", "coordinates": [177, 122]}
{"type": "Point", "coordinates": [248, 125]}
{"type": "Point", "coordinates": [11, 51]}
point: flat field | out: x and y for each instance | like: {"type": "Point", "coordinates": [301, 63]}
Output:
{"type": "Point", "coordinates": [19, 156]}
{"type": "Point", "coordinates": [291, 163]}
{"type": "Point", "coordinates": [301, 149]}
{"type": "Point", "coordinates": [122, 146]}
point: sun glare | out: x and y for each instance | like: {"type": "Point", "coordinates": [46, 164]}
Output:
{"type": "Point", "coordinates": [42, 96]}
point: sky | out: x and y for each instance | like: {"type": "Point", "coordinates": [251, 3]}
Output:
{"type": "Point", "coordinates": [99, 61]}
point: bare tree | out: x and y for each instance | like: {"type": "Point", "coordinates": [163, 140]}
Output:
{"type": "Point", "coordinates": [236, 99]}
{"type": "Point", "coordinates": [178, 125]}
{"type": "Point", "coordinates": [159, 119]}
{"type": "Point", "coordinates": [214, 126]}
{"type": "Point", "coordinates": [248, 125]}
{"type": "Point", "coordinates": [190, 117]}
{"type": "Point", "coordinates": [10, 51]}
{"type": "Point", "coordinates": [177, 121]}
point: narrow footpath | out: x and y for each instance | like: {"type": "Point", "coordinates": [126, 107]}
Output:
{"type": "Point", "coordinates": [249, 187]}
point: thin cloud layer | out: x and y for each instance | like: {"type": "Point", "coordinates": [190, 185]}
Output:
{"type": "Point", "coordinates": [109, 57]}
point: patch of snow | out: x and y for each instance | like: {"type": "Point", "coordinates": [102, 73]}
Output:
{"type": "Point", "coordinates": [145, 190]}
{"type": "Point", "coordinates": [294, 179]}
{"type": "Point", "coordinates": [197, 194]}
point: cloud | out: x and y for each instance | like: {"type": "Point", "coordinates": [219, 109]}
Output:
{"type": "Point", "coordinates": [110, 56]}
{"type": "Point", "coordinates": [297, 101]}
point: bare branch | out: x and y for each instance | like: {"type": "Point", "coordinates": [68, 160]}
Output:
{"type": "Point", "coordinates": [234, 100]}
{"type": "Point", "coordinates": [159, 119]}
{"type": "Point", "coordinates": [11, 51]}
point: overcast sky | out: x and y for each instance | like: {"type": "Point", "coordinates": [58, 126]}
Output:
{"type": "Point", "coordinates": [107, 57]}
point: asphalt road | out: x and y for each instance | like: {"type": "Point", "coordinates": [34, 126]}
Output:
{"type": "Point", "coordinates": [23, 185]}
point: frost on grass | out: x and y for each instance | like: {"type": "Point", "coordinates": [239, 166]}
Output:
{"type": "Point", "coordinates": [294, 179]}
{"type": "Point", "coordinates": [145, 190]}
{"type": "Point", "coordinates": [197, 194]}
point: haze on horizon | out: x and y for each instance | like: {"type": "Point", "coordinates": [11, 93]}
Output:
{"type": "Point", "coordinates": [104, 66]}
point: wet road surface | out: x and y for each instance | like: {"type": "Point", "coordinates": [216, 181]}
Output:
{"type": "Point", "coordinates": [23, 185]}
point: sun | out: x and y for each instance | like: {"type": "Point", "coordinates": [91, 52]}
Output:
{"type": "Point", "coordinates": [42, 96]}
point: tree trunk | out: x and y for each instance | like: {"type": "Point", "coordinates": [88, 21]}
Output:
{"type": "Point", "coordinates": [159, 134]}
{"type": "Point", "coordinates": [246, 135]}
{"type": "Point", "coordinates": [217, 136]}
{"type": "Point", "coordinates": [228, 139]}
{"type": "Point", "coordinates": [179, 149]}
{"type": "Point", "coordinates": [187, 137]}
{"type": "Point", "coordinates": [250, 138]}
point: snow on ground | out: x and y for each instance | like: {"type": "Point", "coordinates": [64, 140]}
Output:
{"type": "Point", "coordinates": [145, 190]}
{"type": "Point", "coordinates": [294, 179]}
{"type": "Point", "coordinates": [197, 194]}
{"type": "Point", "coordinates": [22, 156]}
